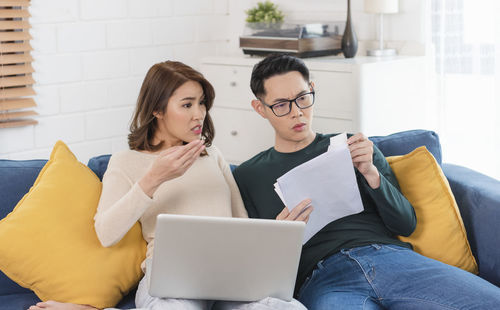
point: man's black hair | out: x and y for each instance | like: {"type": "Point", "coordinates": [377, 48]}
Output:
{"type": "Point", "coordinates": [273, 65]}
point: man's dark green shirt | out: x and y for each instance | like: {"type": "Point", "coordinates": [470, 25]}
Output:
{"type": "Point", "coordinates": [387, 212]}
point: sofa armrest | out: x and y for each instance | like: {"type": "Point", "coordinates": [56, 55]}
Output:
{"type": "Point", "coordinates": [478, 198]}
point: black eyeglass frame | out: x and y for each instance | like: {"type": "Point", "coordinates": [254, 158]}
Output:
{"type": "Point", "coordinates": [313, 93]}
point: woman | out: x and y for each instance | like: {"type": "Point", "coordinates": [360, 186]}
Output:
{"type": "Point", "coordinates": [166, 171]}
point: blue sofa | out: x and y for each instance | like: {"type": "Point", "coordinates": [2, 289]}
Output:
{"type": "Point", "coordinates": [477, 195]}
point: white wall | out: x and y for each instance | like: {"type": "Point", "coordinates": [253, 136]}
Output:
{"type": "Point", "coordinates": [91, 57]}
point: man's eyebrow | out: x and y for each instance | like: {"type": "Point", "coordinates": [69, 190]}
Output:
{"type": "Point", "coordinates": [286, 99]}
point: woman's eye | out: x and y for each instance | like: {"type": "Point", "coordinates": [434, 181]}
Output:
{"type": "Point", "coordinates": [187, 105]}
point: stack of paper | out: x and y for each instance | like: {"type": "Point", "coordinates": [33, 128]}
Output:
{"type": "Point", "coordinates": [329, 181]}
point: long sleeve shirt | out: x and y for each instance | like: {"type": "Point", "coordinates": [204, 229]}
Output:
{"type": "Point", "coordinates": [386, 213]}
{"type": "Point", "coordinates": [207, 188]}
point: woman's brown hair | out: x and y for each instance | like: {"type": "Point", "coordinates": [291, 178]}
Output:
{"type": "Point", "coordinates": [160, 83]}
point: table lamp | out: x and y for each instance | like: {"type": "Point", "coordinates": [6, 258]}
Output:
{"type": "Point", "coordinates": [381, 7]}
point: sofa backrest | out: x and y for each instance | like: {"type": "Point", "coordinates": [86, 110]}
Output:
{"type": "Point", "coordinates": [404, 142]}
{"type": "Point", "coordinates": [399, 143]}
{"type": "Point", "coordinates": [16, 178]}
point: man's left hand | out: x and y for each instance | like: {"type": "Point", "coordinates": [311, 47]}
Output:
{"type": "Point", "coordinates": [361, 149]}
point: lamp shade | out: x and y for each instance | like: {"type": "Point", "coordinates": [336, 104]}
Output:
{"type": "Point", "coordinates": [381, 6]}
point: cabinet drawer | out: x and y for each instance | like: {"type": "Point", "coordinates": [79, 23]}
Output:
{"type": "Point", "coordinates": [240, 134]}
{"type": "Point", "coordinates": [332, 125]}
{"type": "Point", "coordinates": [231, 83]}
{"type": "Point", "coordinates": [335, 95]}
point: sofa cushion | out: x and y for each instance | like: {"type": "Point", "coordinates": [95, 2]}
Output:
{"type": "Point", "coordinates": [440, 233]}
{"type": "Point", "coordinates": [404, 142]}
{"type": "Point", "coordinates": [55, 221]}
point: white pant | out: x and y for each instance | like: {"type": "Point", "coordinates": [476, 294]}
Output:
{"type": "Point", "coordinates": [145, 301]}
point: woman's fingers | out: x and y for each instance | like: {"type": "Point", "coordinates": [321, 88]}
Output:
{"type": "Point", "coordinates": [187, 149]}
{"type": "Point", "coordinates": [189, 158]}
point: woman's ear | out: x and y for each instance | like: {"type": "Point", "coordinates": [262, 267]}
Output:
{"type": "Point", "coordinates": [158, 115]}
{"type": "Point", "coordinates": [259, 107]}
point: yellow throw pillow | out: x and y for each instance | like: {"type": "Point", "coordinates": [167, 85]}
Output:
{"type": "Point", "coordinates": [440, 233]}
{"type": "Point", "coordinates": [48, 243]}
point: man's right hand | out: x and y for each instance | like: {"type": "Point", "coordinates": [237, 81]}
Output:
{"type": "Point", "coordinates": [170, 164]}
{"type": "Point", "coordinates": [300, 213]}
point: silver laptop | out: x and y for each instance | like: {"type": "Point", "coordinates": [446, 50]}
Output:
{"type": "Point", "coordinates": [218, 258]}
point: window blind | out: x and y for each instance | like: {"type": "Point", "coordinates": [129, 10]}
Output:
{"type": "Point", "coordinates": [15, 65]}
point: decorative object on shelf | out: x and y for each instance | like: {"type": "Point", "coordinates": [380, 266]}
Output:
{"type": "Point", "coordinates": [349, 39]}
{"type": "Point", "coordinates": [381, 7]}
{"type": "Point", "coordinates": [266, 33]}
{"type": "Point", "coordinates": [301, 40]}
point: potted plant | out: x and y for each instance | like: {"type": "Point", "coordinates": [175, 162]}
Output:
{"type": "Point", "coordinates": [265, 15]}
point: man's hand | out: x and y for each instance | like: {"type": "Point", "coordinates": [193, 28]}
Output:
{"type": "Point", "coordinates": [300, 213]}
{"type": "Point", "coordinates": [361, 149]}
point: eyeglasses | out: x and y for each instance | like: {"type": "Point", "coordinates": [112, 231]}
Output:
{"type": "Point", "coordinates": [284, 107]}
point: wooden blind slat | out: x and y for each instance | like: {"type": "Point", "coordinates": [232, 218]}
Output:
{"type": "Point", "coordinates": [15, 58]}
{"type": "Point", "coordinates": [16, 81]}
{"type": "Point", "coordinates": [15, 47]}
{"type": "Point", "coordinates": [16, 69]}
{"type": "Point", "coordinates": [18, 123]}
{"type": "Point", "coordinates": [24, 3]}
{"type": "Point", "coordinates": [16, 115]}
{"type": "Point", "coordinates": [15, 36]}
{"type": "Point", "coordinates": [16, 92]}
{"type": "Point", "coordinates": [14, 24]}
{"type": "Point", "coordinates": [16, 104]}
{"type": "Point", "coordinates": [15, 65]}
{"type": "Point", "coordinates": [11, 13]}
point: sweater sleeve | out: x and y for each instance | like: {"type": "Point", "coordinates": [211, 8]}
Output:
{"type": "Point", "coordinates": [395, 210]}
{"type": "Point", "coordinates": [121, 205]}
{"type": "Point", "coordinates": [237, 206]}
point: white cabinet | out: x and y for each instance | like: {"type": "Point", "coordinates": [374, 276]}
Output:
{"type": "Point", "coordinates": [376, 96]}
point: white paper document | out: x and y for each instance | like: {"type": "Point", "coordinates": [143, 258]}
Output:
{"type": "Point", "coordinates": [329, 181]}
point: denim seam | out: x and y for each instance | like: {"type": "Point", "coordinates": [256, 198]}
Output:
{"type": "Point", "coordinates": [306, 283]}
{"type": "Point", "coordinates": [366, 275]}
{"type": "Point", "coordinates": [366, 299]}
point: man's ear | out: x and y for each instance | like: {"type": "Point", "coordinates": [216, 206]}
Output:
{"type": "Point", "coordinates": [259, 107]}
{"type": "Point", "coordinates": [312, 84]}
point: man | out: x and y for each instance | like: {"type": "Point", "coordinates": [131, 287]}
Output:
{"type": "Point", "coordinates": [355, 262]}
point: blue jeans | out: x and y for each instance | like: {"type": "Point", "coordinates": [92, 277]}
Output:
{"type": "Point", "coordinates": [393, 277]}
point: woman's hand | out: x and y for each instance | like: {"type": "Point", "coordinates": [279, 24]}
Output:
{"type": "Point", "coordinates": [300, 213]}
{"type": "Point", "coordinates": [170, 164]}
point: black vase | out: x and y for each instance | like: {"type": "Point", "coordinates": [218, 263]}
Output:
{"type": "Point", "coordinates": [349, 40]}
